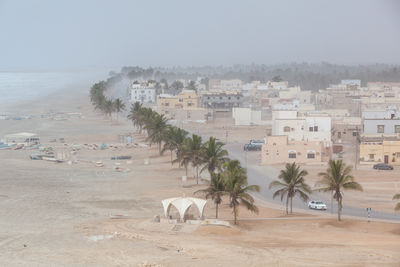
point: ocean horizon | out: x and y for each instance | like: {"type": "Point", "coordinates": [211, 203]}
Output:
{"type": "Point", "coordinates": [19, 87]}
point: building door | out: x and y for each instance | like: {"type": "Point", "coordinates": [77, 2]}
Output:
{"type": "Point", "coordinates": [386, 159]}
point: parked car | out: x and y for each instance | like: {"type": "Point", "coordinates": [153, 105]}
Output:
{"type": "Point", "coordinates": [257, 142]}
{"type": "Point", "coordinates": [253, 145]}
{"type": "Point", "coordinates": [383, 166]}
{"type": "Point", "coordinates": [316, 205]}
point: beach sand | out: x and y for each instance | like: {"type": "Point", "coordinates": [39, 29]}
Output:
{"type": "Point", "coordinates": [56, 214]}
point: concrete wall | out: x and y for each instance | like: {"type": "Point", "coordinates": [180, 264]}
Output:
{"type": "Point", "coordinates": [188, 114]}
{"type": "Point", "coordinates": [246, 116]}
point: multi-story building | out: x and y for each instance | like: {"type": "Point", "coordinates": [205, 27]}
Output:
{"type": "Point", "coordinates": [187, 99]}
{"type": "Point", "coordinates": [279, 150]}
{"type": "Point", "coordinates": [346, 130]}
{"type": "Point", "coordinates": [287, 123]}
{"type": "Point", "coordinates": [142, 92]}
{"type": "Point", "coordinates": [221, 99]}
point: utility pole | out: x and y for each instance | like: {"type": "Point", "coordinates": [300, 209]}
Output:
{"type": "Point", "coordinates": [245, 156]}
{"type": "Point", "coordinates": [357, 146]}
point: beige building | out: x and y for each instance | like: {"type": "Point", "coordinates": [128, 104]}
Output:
{"type": "Point", "coordinates": [186, 100]}
{"type": "Point", "coordinates": [278, 149]}
{"type": "Point", "coordinates": [378, 150]}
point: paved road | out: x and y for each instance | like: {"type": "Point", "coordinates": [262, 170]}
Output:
{"type": "Point", "coordinates": [263, 178]}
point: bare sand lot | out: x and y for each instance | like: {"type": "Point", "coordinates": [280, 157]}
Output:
{"type": "Point", "coordinates": [60, 214]}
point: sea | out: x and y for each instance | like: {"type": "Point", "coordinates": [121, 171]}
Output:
{"type": "Point", "coordinates": [19, 87]}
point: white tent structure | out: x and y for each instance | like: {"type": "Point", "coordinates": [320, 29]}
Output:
{"type": "Point", "coordinates": [22, 138]}
{"type": "Point", "coordinates": [182, 204]}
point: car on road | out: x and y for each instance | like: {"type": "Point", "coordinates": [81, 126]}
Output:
{"type": "Point", "coordinates": [383, 166]}
{"type": "Point", "coordinates": [253, 145]}
{"type": "Point", "coordinates": [316, 205]}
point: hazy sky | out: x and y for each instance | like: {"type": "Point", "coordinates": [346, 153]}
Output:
{"type": "Point", "coordinates": [51, 34]}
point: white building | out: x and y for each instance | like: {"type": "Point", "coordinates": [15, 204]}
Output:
{"type": "Point", "coordinates": [381, 122]}
{"type": "Point", "coordinates": [317, 128]}
{"type": "Point", "coordinates": [246, 116]}
{"type": "Point", "coordinates": [142, 93]}
{"type": "Point", "coordinates": [356, 83]}
{"type": "Point", "coordinates": [303, 97]}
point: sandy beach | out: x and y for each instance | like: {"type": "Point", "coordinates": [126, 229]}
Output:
{"type": "Point", "coordinates": [59, 214]}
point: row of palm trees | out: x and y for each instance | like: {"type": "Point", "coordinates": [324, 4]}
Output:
{"type": "Point", "coordinates": [228, 177]}
{"type": "Point", "coordinates": [106, 105]}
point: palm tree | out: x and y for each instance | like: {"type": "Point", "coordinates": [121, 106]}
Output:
{"type": "Point", "coordinates": [292, 183]}
{"type": "Point", "coordinates": [192, 150]}
{"type": "Point", "coordinates": [337, 178]}
{"type": "Point", "coordinates": [169, 140]}
{"type": "Point", "coordinates": [109, 107]}
{"type": "Point", "coordinates": [184, 156]}
{"type": "Point", "coordinates": [157, 130]}
{"type": "Point", "coordinates": [213, 155]}
{"type": "Point", "coordinates": [134, 113]}
{"type": "Point", "coordinates": [97, 95]}
{"type": "Point", "coordinates": [174, 139]}
{"type": "Point", "coordinates": [397, 207]}
{"type": "Point", "coordinates": [215, 190]}
{"type": "Point", "coordinates": [237, 189]}
{"type": "Point", "coordinates": [119, 106]}
{"type": "Point", "coordinates": [145, 118]}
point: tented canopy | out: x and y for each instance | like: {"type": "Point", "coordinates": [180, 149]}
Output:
{"type": "Point", "coordinates": [182, 204]}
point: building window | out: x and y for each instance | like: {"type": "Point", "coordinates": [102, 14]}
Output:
{"type": "Point", "coordinates": [237, 98]}
{"type": "Point", "coordinates": [371, 156]}
{"type": "Point", "coordinates": [180, 100]}
{"type": "Point", "coordinates": [311, 129]}
{"type": "Point", "coordinates": [339, 134]}
{"type": "Point", "coordinates": [315, 128]}
{"type": "Point", "coordinates": [310, 155]}
{"type": "Point", "coordinates": [286, 129]}
{"type": "Point", "coordinates": [397, 128]}
{"type": "Point", "coordinates": [380, 128]}
{"type": "Point", "coordinates": [397, 154]}
{"type": "Point", "coordinates": [355, 133]}
{"type": "Point", "coordinates": [292, 155]}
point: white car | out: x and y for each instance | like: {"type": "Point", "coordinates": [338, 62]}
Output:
{"type": "Point", "coordinates": [317, 205]}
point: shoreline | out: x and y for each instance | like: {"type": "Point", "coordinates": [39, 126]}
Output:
{"type": "Point", "coordinates": [62, 213]}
